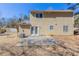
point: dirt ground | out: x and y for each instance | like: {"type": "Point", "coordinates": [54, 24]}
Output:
{"type": "Point", "coordinates": [72, 41]}
{"type": "Point", "coordinates": [67, 46]}
{"type": "Point", "coordinates": [10, 38]}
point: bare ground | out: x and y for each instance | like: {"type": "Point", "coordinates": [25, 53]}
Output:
{"type": "Point", "coordinates": [66, 46]}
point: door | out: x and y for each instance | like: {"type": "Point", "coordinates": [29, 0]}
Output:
{"type": "Point", "coordinates": [34, 30]}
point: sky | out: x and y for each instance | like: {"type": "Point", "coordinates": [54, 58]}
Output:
{"type": "Point", "coordinates": [9, 10]}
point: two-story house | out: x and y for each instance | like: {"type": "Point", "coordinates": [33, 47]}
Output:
{"type": "Point", "coordinates": [51, 22]}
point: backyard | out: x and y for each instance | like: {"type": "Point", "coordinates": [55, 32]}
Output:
{"type": "Point", "coordinates": [66, 45]}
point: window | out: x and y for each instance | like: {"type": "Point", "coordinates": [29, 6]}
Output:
{"type": "Point", "coordinates": [39, 15]}
{"type": "Point", "coordinates": [65, 28]}
{"type": "Point", "coordinates": [51, 27]}
{"type": "Point", "coordinates": [34, 30]}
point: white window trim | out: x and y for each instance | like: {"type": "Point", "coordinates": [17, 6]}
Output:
{"type": "Point", "coordinates": [67, 28]}
{"type": "Point", "coordinates": [34, 34]}
{"type": "Point", "coordinates": [49, 27]}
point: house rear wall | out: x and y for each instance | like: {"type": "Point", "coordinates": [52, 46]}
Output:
{"type": "Point", "coordinates": [55, 19]}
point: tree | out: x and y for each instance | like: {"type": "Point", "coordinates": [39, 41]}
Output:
{"type": "Point", "coordinates": [74, 7]}
{"type": "Point", "coordinates": [23, 18]}
{"type": "Point", "coordinates": [15, 21]}
{"type": "Point", "coordinates": [12, 21]}
{"type": "Point", "coordinates": [2, 22]}
{"type": "Point", "coordinates": [71, 6]}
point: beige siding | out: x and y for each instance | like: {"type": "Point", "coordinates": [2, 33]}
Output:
{"type": "Point", "coordinates": [57, 22]}
{"type": "Point", "coordinates": [27, 31]}
{"type": "Point", "coordinates": [26, 28]}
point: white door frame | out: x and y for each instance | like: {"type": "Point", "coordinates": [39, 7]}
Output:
{"type": "Point", "coordinates": [34, 34]}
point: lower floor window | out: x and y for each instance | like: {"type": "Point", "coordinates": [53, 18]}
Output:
{"type": "Point", "coordinates": [65, 28]}
{"type": "Point", "coordinates": [34, 30]}
{"type": "Point", "coordinates": [51, 27]}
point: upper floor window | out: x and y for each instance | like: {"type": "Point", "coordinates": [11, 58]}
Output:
{"type": "Point", "coordinates": [65, 28]}
{"type": "Point", "coordinates": [39, 15]}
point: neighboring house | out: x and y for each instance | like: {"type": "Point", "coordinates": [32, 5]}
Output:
{"type": "Point", "coordinates": [50, 22]}
{"type": "Point", "coordinates": [25, 26]}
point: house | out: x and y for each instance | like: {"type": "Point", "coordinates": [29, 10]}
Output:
{"type": "Point", "coordinates": [51, 22]}
{"type": "Point", "coordinates": [24, 25]}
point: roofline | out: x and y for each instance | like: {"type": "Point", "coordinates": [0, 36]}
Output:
{"type": "Point", "coordinates": [35, 11]}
